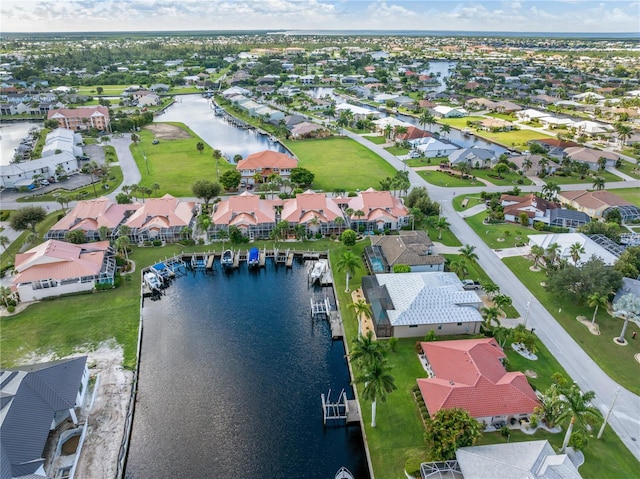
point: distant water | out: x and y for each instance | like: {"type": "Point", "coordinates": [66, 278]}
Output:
{"type": "Point", "coordinates": [231, 373]}
{"type": "Point", "coordinates": [462, 33]}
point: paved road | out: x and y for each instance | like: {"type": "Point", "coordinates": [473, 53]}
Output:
{"type": "Point", "coordinates": [625, 418]}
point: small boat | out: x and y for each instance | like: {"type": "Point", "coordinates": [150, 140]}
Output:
{"type": "Point", "coordinates": [254, 257]}
{"type": "Point", "coordinates": [318, 270]}
{"type": "Point", "coordinates": [152, 280]}
{"type": "Point", "coordinates": [227, 258]}
{"type": "Point", "coordinates": [343, 473]}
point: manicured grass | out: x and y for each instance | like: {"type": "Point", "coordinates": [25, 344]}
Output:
{"type": "Point", "coordinates": [440, 178]}
{"type": "Point", "coordinates": [109, 90]}
{"type": "Point", "coordinates": [459, 123]}
{"type": "Point", "coordinates": [617, 361]}
{"type": "Point", "coordinates": [632, 195]}
{"type": "Point", "coordinates": [503, 116]}
{"type": "Point", "coordinates": [447, 238]}
{"type": "Point", "coordinates": [491, 233]}
{"type": "Point", "coordinates": [630, 169]}
{"type": "Point", "coordinates": [587, 180]}
{"type": "Point", "coordinates": [398, 150]}
{"type": "Point", "coordinates": [378, 140]}
{"type": "Point", "coordinates": [473, 200]}
{"type": "Point", "coordinates": [416, 162]}
{"type": "Point", "coordinates": [175, 164]}
{"type": "Point", "coordinates": [509, 179]}
{"type": "Point", "coordinates": [341, 163]}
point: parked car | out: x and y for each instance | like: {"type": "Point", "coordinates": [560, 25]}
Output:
{"type": "Point", "coordinates": [470, 284]}
{"type": "Point", "coordinates": [44, 183]}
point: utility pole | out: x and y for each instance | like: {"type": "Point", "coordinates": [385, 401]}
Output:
{"type": "Point", "coordinates": [526, 316]}
{"type": "Point", "coordinates": [606, 418]}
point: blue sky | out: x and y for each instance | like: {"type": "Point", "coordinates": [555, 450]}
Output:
{"type": "Point", "coordinates": [487, 15]}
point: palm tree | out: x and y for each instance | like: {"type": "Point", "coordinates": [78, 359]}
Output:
{"type": "Point", "coordinates": [426, 119]}
{"type": "Point", "coordinates": [543, 163]}
{"type": "Point", "coordinates": [388, 129]}
{"type": "Point", "coordinates": [339, 222]}
{"type": "Point", "coordinates": [442, 224]}
{"type": "Point", "coordinates": [602, 163]}
{"type": "Point", "coordinates": [598, 183]}
{"type": "Point", "coordinates": [624, 133]}
{"type": "Point", "coordinates": [627, 307]}
{"type": "Point", "coordinates": [62, 200]}
{"type": "Point", "coordinates": [526, 164]}
{"type": "Point", "coordinates": [501, 169]}
{"type": "Point", "coordinates": [490, 315]}
{"type": "Point", "coordinates": [537, 252]}
{"type": "Point", "coordinates": [4, 241]}
{"type": "Point", "coordinates": [377, 384]}
{"type": "Point", "coordinates": [365, 350]}
{"type": "Point", "coordinates": [348, 263]}
{"type": "Point", "coordinates": [217, 154]}
{"type": "Point", "coordinates": [5, 292]}
{"type": "Point", "coordinates": [155, 187]}
{"type": "Point", "coordinates": [468, 253]}
{"type": "Point", "coordinates": [595, 300]}
{"type": "Point", "coordinates": [103, 232]}
{"type": "Point", "coordinates": [502, 301]}
{"type": "Point", "coordinates": [460, 268]}
{"type": "Point", "coordinates": [361, 308]}
{"type": "Point", "coordinates": [577, 407]}
{"type": "Point", "coordinates": [122, 244]}
{"type": "Point", "coordinates": [553, 250]}
{"type": "Point", "coordinates": [576, 250]}
{"type": "Point", "coordinates": [445, 128]}
{"type": "Point", "coordinates": [490, 288]}
{"type": "Point", "coordinates": [550, 190]}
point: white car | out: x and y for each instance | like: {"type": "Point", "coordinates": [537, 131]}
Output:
{"type": "Point", "coordinates": [414, 154]}
{"type": "Point", "coordinates": [44, 183]}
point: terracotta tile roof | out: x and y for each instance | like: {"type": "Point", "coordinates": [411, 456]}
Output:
{"type": "Point", "coordinates": [164, 212]}
{"type": "Point", "coordinates": [593, 199]}
{"type": "Point", "coordinates": [81, 112]}
{"type": "Point", "coordinates": [267, 159]}
{"type": "Point", "coordinates": [589, 155]}
{"type": "Point", "coordinates": [414, 133]}
{"type": "Point", "coordinates": [245, 209]}
{"type": "Point", "coordinates": [89, 215]}
{"type": "Point", "coordinates": [526, 204]}
{"type": "Point", "coordinates": [308, 205]}
{"type": "Point", "coordinates": [59, 260]}
{"type": "Point", "coordinates": [555, 143]}
{"type": "Point", "coordinates": [372, 201]}
{"type": "Point", "coordinates": [468, 374]}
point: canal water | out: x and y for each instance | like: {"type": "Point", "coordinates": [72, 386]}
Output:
{"type": "Point", "coordinates": [232, 368]}
{"type": "Point", "coordinates": [11, 134]}
{"type": "Point", "coordinates": [195, 112]}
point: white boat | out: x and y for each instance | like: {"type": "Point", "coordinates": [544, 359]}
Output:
{"type": "Point", "coordinates": [152, 280]}
{"type": "Point", "coordinates": [343, 473]}
{"type": "Point", "coordinates": [319, 269]}
{"type": "Point", "coordinates": [227, 258]}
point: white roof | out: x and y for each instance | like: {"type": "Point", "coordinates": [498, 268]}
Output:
{"type": "Point", "coordinates": [49, 162]}
{"type": "Point", "coordinates": [447, 109]}
{"type": "Point", "coordinates": [432, 144]}
{"type": "Point", "coordinates": [429, 298]}
{"type": "Point", "coordinates": [356, 110]}
{"type": "Point", "coordinates": [565, 240]}
{"type": "Point", "coordinates": [552, 120]}
{"type": "Point", "coordinates": [389, 120]}
{"type": "Point", "coordinates": [531, 113]}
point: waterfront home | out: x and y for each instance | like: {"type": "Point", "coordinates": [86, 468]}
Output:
{"type": "Point", "coordinates": [469, 374]}
{"type": "Point", "coordinates": [412, 304]}
{"type": "Point", "coordinates": [534, 168]}
{"type": "Point", "coordinates": [474, 157]}
{"type": "Point", "coordinates": [257, 167]}
{"type": "Point", "coordinates": [530, 114]}
{"type": "Point", "coordinates": [433, 148]}
{"type": "Point", "coordinates": [37, 399]}
{"type": "Point", "coordinates": [494, 124]}
{"type": "Point", "coordinates": [480, 104]}
{"type": "Point", "coordinates": [554, 147]}
{"type": "Point", "coordinates": [413, 133]}
{"type": "Point", "coordinates": [564, 242]}
{"type": "Point", "coordinates": [591, 156]}
{"type": "Point", "coordinates": [62, 139]}
{"type": "Point", "coordinates": [255, 218]}
{"type": "Point", "coordinates": [593, 203]}
{"type": "Point", "coordinates": [590, 128]}
{"type": "Point", "coordinates": [17, 175]}
{"type": "Point", "coordinates": [381, 125]}
{"type": "Point", "coordinates": [54, 268]}
{"type": "Point", "coordinates": [90, 216]}
{"type": "Point", "coordinates": [166, 219]}
{"type": "Point", "coordinates": [81, 118]}
{"type": "Point", "coordinates": [506, 106]}
{"type": "Point", "coordinates": [314, 210]}
{"type": "Point", "coordinates": [373, 210]}
{"type": "Point", "coordinates": [410, 248]}
{"type": "Point", "coordinates": [358, 112]}
{"type": "Point", "coordinates": [450, 112]}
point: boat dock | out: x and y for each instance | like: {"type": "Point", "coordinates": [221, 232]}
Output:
{"type": "Point", "coordinates": [343, 410]}
{"type": "Point", "coordinates": [207, 260]}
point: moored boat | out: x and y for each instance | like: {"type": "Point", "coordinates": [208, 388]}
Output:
{"type": "Point", "coordinates": [227, 258]}
{"type": "Point", "coordinates": [254, 257]}
{"type": "Point", "coordinates": [343, 473]}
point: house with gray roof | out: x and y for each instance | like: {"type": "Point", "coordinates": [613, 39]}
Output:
{"type": "Point", "coordinates": [411, 248]}
{"type": "Point", "coordinates": [412, 304]}
{"type": "Point", "coordinates": [475, 157]}
{"type": "Point", "coordinates": [35, 399]}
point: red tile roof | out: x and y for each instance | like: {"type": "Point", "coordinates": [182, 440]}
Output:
{"type": "Point", "coordinates": [267, 159]}
{"type": "Point", "coordinates": [468, 374]}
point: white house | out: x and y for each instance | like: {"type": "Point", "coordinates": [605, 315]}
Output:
{"type": "Point", "coordinates": [16, 175]}
{"type": "Point", "coordinates": [432, 148]}
{"type": "Point", "coordinates": [60, 140]}
{"type": "Point", "coordinates": [530, 114]}
{"type": "Point", "coordinates": [450, 112]}
{"type": "Point", "coordinates": [564, 241]}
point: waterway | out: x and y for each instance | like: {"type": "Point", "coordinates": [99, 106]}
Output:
{"type": "Point", "coordinates": [232, 368]}
{"type": "Point", "coordinates": [11, 134]}
{"type": "Point", "coordinates": [196, 113]}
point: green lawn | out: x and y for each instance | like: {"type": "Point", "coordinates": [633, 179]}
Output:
{"type": "Point", "coordinates": [8, 255]}
{"type": "Point", "coordinates": [341, 163]}
{"type": "Point", "coordinates": [509, 179]}
{"type": "Point", "coordinates": [440, 178]}
{"type": "Point", "coordinates": [587, 180]}
{"type": "Point", "coordinates": [473, 200]}
{"type": "Point", "coordinates": [416, 162]}
{"type": "Point", "coordinates": [510, 232]}
{"type": "Point", "coordinates": [447, 238]}
{"type": "Point", "coordinates": [175, 164]}
{"type": "Point", "coordinates": [616, 361]}
{"type": "Point", "coordinates": [378, 140]}
{"type": "Point", "coordinates": [632, 195]}
{"type": "Point", "coordinates": [398, 150]}
{"type": "Point", "coordinates": [630, 169]}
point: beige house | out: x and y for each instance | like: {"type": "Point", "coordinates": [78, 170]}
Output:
{"type": "Point", "coordinates": [376, 211]}
{"type": "Point", "coordinates": [264, 164]}
{"type": "Point", "coordinates": [54, 268]}
{"type": "Point", "coordinates": [162, 219]}
{"type": "Point", "coordinates": [81, 118]}
{"type": "Point", "coordinates": [593, 203]}
{"type": "Point", "coordinates": [411, 248]}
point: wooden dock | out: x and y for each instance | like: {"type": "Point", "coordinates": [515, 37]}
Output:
{"type": "Point", "coordinates": [263, 259]}
{"type": "Point", "coordinates": [353, 411]}
{"type": "Point", "coordinates": [210, 261]}
{"type": "Point", "coordinates": [289, 259]}
{"type": "Point", "coordinates": [236, 260]}
{"type": "Point", "coordinates": [337, 331]}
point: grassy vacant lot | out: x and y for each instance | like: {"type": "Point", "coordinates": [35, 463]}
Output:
{"type": "Point", "coordinates": [630, 169]}
{"type": "Point", "coordinates": [616, 361]}
{"type": "Point", "coordinates": [378, 140]}
{"type": "Point", "coordinates": [440, 178]}
{"type": "Point", "coordinates": [511, 233]}
{"type": "Point", "coordinates": [341, 163]}
{"type": "Point", "coordinates": [587, 180]}
{"type": "Point", "coordinates": [175, 164]}
{"type": "Point", "coordinates": [509, 179]}
{"type": "Point", "coordinates": [398, 150]}
{"type": "Point", "coordinates": [632, 195]}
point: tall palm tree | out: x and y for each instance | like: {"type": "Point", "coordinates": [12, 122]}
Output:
{"type": "Point", "coordinates": [442, 224]}
{"type": "Point", "coordinates": [543, 163]}
{"type": "Point", "coordinates": [365, 350]}
{"type": "Point", "coordinates": [468, 253]}
{"type": "Point", "coordinates": [553, 250]}
{"type": "Point", "coordinates": [378, 383]}
{"type": "Point", "coordinates": [426, 118]}
{"type": "Point", "coordinates": [490, 315]}
{"type": "Point", "coordinates": [121, 244]}
{"type": "Point", "coordinates": [576, 250]}
{"type": "Point", "coordinates": [602, 163]}
{"type": "Point", "coordinates": [537, 252]}
{"type": "Point", "coordinates": [577, 407]}
{"type": "Point", "coordinates": [348, 263]}
{"type": "Point", "coordinates": [595, 300]}
{"type": "Point", "coordinates": [4, 241]}
{"type": "Point", "coordinates": [598, 183]}
{"type": "Point", "coordinates": [445, 128]}
{"type": "Point", "coordinates": [624, 133]}
{"type": "Point", "coordinates": [217, 154]}
{"type": "Point", "coordinates": [360, 309]}
{"type": "Point", "coordinates": [155, 187]}
{"type": "Point", "coordinates": [460, 268]}
{"type": "Point", "coordinates": [502, 301]}
{"type": "Point", "coordinates": [550, 190]}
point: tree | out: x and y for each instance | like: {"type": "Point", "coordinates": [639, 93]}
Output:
{"type": "Point", "coordinates": [378, 382]}
{"type": "Point", "coordinates": [629, 262]}
{"type": "Point", "coordinates": [122, 245]}
{"type": "Point", "coordinates": [426, 118]}
{"type": "Point", "coordinates": [217, 154]}
{"type": "Point", "coordinates": [4, 241]}
{"type": "Point", "coordinates": [550, 407]}
{"type": "Point", "coordinates": [155, 187]}
{"type": "Point", "coordinates": [348, 263]}
{"type": "Point", "coordinates": [348, 237]}
{"type": "Point", "coordinates": [200, 147]}
{"type": "Point", "coordinates": [537, 252]}
{"type": "Point", "coordinates": [103, 232]}
{"type": "Point", "coordinates": [490, 315]}
{"type": "Point", "coordinates": [135, 138]}
{"type": "Point", "coordinates": [575, 251]}
{"type": "Point", "coordinates": [502, 301]}
{"type": "Point", "coordinates": [301, 177]}
{"type": "Point", "coordinates": [500, 169]}
{"type": "Point", "coordinates": [419, 198]}
{"type": "Point", "coordinates": [613, 215]}
{"type": "Point", "coordinates": [602, 164]}
{"type": "Point", "coordinates": [366, 350]}
{"type": "Point", "coordinates": [460, 268]}
{"type": "Point", "coordinates": [627, 307]}
{"type": "Point", "coordinates": [524, 219]}
{"type": "Point", "coordinates": [577, 408]}
{"type": "Point", "coordinates": [598, 183]}
{"type": "Point", "coordinates": [449, 430]}
{"type": "Point", "coordinates": [230, 179]}
{"type": "Point", "coordinates": [445, 128]}
{"type": "Point", "coordinates": [207, 190]}
{"type": "Point", "coordinates": [360, 308]}
{"type": "Point", "coordinates": [92, 169]}
{"type": "Point", "coordinates": [596, 300]}
{"type": "Point", "coordinates": [468, 253]}
{"type": "Point", "coordinates": [550, 190]}
{"type": "Point", "coordinates": [442, 224]}
{"type": "Point", "coordinates": [27, 218]}
{"type": "Point", "coordinates": [624, 132]}
{"type": "Point", "coordinates": [552, 252]}
{"type": "Point", "coordinates": [99, 90]}
{"type": "Point", "coordinates": [63, 200]}
{"type": "Point", "coordinates": [579, 282]}
{"type": "Point", "coordinates": [490, 288]}
{"type": "Point", "coordinates": [76, 236]}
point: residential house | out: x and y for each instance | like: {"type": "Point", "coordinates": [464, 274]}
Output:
{"type": "Point", "coordinates": [377, 211]}
{"type": "Point", "coordinates": [54, 268]}
{"type": "Point", "coordinates": [450, 112]}
{"type": "Point", "coordinates": [81, 118]}
{"type": "Point", "coordinates": [17, 175]}
{"type": "Point", "coordinates": [480, 104]}
{"type": "Point", "coordinates": [590, 128]}
{"type": "Point", "coordinates": [358, 112]}
{"type": "Point", "coordinates": [162, 219]}
{"type": "Point", "coordinates": [255, 218]}
{"type": "Point", "coordinates": [534, 169]}
{"type": "Point", "coordinates": [530, 114]}
{"type": "Point", "coordinates": [314, 210]}
{"type": "Point", "coordinates": [413, 133]}
{"type": "Point", "coordinates": [36, 399]}
{"type": "Point", "coordinates": [593, 203]}
{"type": "Point", "coordinates": [506, 106]}
{"type": "Point", "coordinates": [552, 122]}
{"type": "Point", "coordinates": [62, 139]}
{"type": "Point", "coordinates": [91, 215]}
{"type": "Point", "coordinates": [564, 241]}
{"type": "Point", "coordinates": [412, 304]}
{"type": "Point", "coordinates": [591, 156]}
{"type": "Point", "coordinates": [536, 208]}
{"type": "Point", "coordinates": [554, 147]}
{"type": "Point", "coordinates": [433, 148]}
{"type": "Point", "coordinates": [474, 157]}
{"type": "Point", "coordinates": [149, 99]}
{"type": "Point", "coordinates": [411, 248]}
{"type": "Point", "coordinates": [382, 124]}
{"type": "Point", "coordinates": [469, 374]}
{"type": "Point", "coordinates": [265, 163]}
{"type": "Point", "coordinates": [308, 130]}
{"type": "Point", "coordinates": [494, 124]}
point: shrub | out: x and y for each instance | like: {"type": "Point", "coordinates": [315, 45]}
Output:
{"type": "Point", "coordinates": [412, 466]}
{"type": "Point", "coordinates": [11, 308]}
{"type": "Point", "coordinates": [157, 242]}
{"type": "Point", "coordinates": [393, 343]}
